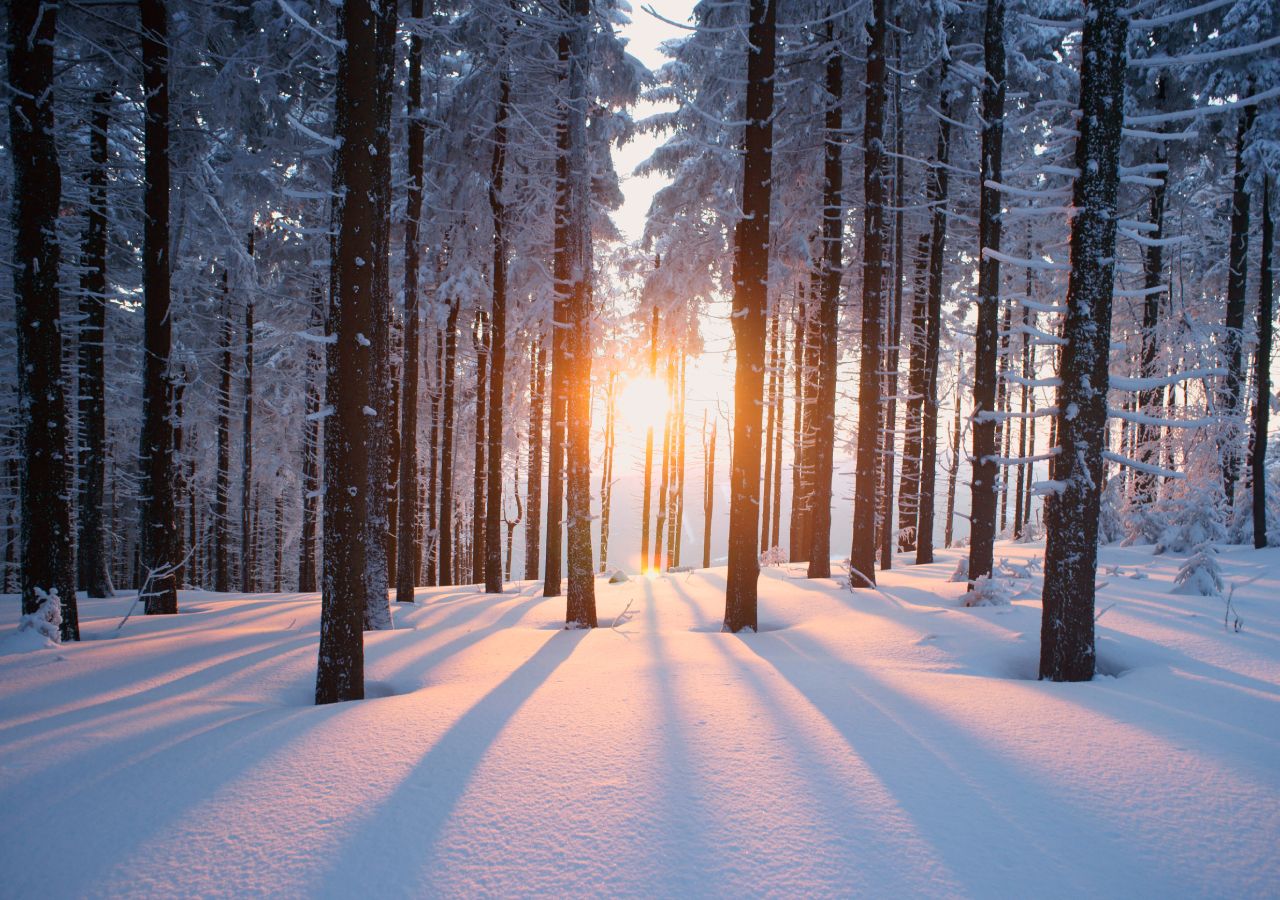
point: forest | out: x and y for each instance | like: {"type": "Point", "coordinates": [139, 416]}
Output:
{"type": "Point", "coordinates": [573, 315]}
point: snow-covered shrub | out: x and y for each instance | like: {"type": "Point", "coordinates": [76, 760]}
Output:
{"type": "Point", "coordinates": [1191, 513]}
{"type": "Point", "coordinates": [989, 590]}
{"type": "Point", "coordinates": [774, 556]}
{"type": "Point", "coordinates": [47, 619]}
{"type": "Point", "coordinates": [1112, 527]}
{"type": "Point", "coordinates": [1200, 575]}
{"type": "Point", "coordinates": [962, 571]}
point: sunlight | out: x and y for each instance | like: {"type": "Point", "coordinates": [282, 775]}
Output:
{"type": "Point", "coordinates": [643, 404]}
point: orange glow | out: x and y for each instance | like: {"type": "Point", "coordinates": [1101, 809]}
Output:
{"type": "Point", "coordinates": [643, 404]}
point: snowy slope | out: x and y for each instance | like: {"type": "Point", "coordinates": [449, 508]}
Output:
{"type": "Point", "coordinates": [885, 743]}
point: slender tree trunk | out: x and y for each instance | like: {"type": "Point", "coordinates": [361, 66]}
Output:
{"type": "Point", "coordinates": [430, 528]}
{"type": "Point", "coordinates": [913, 429]}
{"type": "Point", "coordinates": [1071, 549]}
{"type": "Point", "coordinates": [311, 438]}
{"type": "Point", "coordinates": [774, 532]}
{"type": "Point", "coordinates": [660, 530]}
{"type": "Point", "coordinates": [606, 475]}
{"type": "Point", "coordinates": [750, 306]}
{"type": "Point", "coordinates": [648, 452]}
{"type": "Point", "coordinates": [247, 560]}
{"type": "Point", "coordinates": [498, 344]}
{"type": "Point", "coordinates": [1148, 436]}
{"type": "Point", "coordinates": [159, 526]}
{"type": "Point", "coordinates": [1262, 373]}
{"type": "Point", "coordinates": [512, 524]}
{"type": "Point", "coordinates": [894, 330]}
{"type": "Point", "coordinates": [862, 557]}
{"type": "Point", "coordinates": [46, 477]}
{"type": "Point", "coordinates": [92, 550]}
{"type": "Point", "coordinates": [533, 516]}
{"type": "Point", "coordinates": [799, 503]}
{"type": "Point", "coordinates": [480, 335]}
{"type": "Point", "coordinates": [708, 488]}
{"type": "Point", "coordinates": [771, 416]}
{"type": "Point", "coordinates": [580, 610]}
{"type": "Point", "coordinates": [444, 542]}
{"type": "Point", "coordinates": [983, 505]}
{"type": "Point", "coordinates": [952, 471]}
{"type": "Point", "coordinates": [1003, 431]}
{"type": "Point", "coordinates": [351, 364]}
{"type": "Point", "coordinates": [1237, 279]}
{"type": "Point", "coordinates": [409, 551]}
{"type": "Point", "coordinates": [222, 478]}
{"type": "Point", "coordinates": [278, 568]}
{"type": "Point", "coordinates": [820, 412]}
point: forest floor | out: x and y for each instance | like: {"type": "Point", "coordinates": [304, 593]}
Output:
{"type": "Point", "coordinates": [885, 743]}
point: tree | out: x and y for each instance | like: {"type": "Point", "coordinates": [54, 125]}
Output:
{"type": "Point", "coordinates": [1262, 372]}
{"type": "Point", "coordinates": [750, 305]}
{"type": "Point", "coordinates": [351, 366]}
{"type": "Point", "coordinates": [1071, 516]}
{"type": "Point", "coordinates": [47, 539]}
{"type": "Point", "coordinates": [1237, 283]}
{"type": "Point", "coordinates": [498, 343]}
{"type": "Point", "coordinates": [862, 557]}
{"type": "Point", "coordinates": [158, 549]}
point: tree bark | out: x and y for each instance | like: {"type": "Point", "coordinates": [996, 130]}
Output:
{"type": "Point", "coordinates": [533, 514]}
{"type": "Point", "coordinates": [820, 412]}
{"type": "Point", "coordinates": [1237, 282]}
{"type": "Point", "coordinates": [247, 561]}
{"type": "Point", "coordinates": [92, 550]}
{"type": "Point", "coordinates": [310, 455]}
{"type": "Point", "coordinates": [159, 475]}
{"type": "Point", "coordinates": [498, 344]}
{"type": "Point", "coordinates": [750, 305]}
{"type": "Point", "coordinates": [645, 507]}
{"type": "Point", "coordinates": [1071, 548]}
{"type": "Point", "coordinates": [983, 505]}
{"type": "Point", "coordinates": [480, 334]}
{"type": "Point", "coordinates": [1262, 373]}
{"type": "Point", "coordinates": [770, 424]}
{"type": "Point", "coordinates": [862, 556]}
{"type": "Point", "coordinates": [46, 475]}
{"type": "Point", "coordinates": [351, 364]}
{"type": "Point", "coordinates": [708, 488]}
{"type": "Point", "coordinates": [894, 331]}
{"type": "Point", "coordinates": [444, 542]}
{"type": "Point", "coordinates": [409, 551]}
{"type": "Point", "coordinates": [913, 426]}
{"type": "Point", "coordinates": [222, 477]}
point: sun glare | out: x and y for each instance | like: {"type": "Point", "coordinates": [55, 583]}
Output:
{"type": "Point", "coordinates": [643, 404]}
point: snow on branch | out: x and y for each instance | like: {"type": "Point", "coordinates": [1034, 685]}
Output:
{"type": "Point", "coordinates": [1182, 15]}
{"type": "Point", "coordinates": [1212, 109]}
{"type": "Point", "coordinates": [333, 143]}
{"type": "Point", "coordinates": [1140, 418]}
{"type": "Point", "coordinates": [307, 26]}
{"type": "Point", "coordinates": [1042, 264]}
{"type": "Point", "coordinates": [1211, 56]}
{"type": "Point", "coordinates": [1150, 469]}
{"type": "Point", "coordinates": [990, 415]}
{"type": "Point", "coordinates": [1150, 384]}
{"type": "Point", "coordinates": [1024, 192]}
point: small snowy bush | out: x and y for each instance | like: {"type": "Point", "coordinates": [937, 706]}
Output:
{"type": "Point", "coordinates": [1200, 575]}
{"type": "Point", "coordinates": [47, 619]}
{"type": "Point", "coordinates": [962, 571]}
{"type": "Point", "coordinates": [774, 556]}
{"type": "Point", "coordinates": [1111, 519]}
{"type": "Point", "coordinates": [989, 591]}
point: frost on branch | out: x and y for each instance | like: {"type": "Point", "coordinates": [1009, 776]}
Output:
{"type": "Point", "coordinates": [47, 619]}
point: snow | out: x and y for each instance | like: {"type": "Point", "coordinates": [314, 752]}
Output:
{"type": "Point", "coordinates": [883, 743]}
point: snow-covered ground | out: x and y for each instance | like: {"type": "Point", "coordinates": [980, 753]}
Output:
{"type": "Point", "coordinates": [884, 743]}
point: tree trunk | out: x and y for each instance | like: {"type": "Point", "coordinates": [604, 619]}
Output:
{"type": "Point", "coordinates": [247, 560]}
{"type": "Point", "coordinates": [46, 477]}
{"type": "Point", "coordinates": [775, 530]}
{"type": "Point", "coordinates": [952, 471]}
{"type": "Point", "coordinates": [648, 453]}
{"type": "Point", "coordinates": [444, 542]}
{"type": "Point", "coordinates": [771, 423]}
{"type": "Point", "coordinates": [795, 552]}
{"type": "Point", "coordinates": [580, 610]}
{"type": "Point", "coordinates": [159, 526]}
{"type": "Point", "coordinates": [1148, 436]}
{"type": "Point", "coordinates": [533, 514]}
{"type": "Point", "coordinates": [429, 531]}
{"type": "Point", "coordinates": [1262, 373]}
{"type": "Point", "coordinates": [660, 530]}
{"type": "Point", "coordinates": [862, 557]}
{"type": "Point", "coordinates": [708, 488]}
{"type": "Point", "coordinates": [480, 343]}
{"type": "Point", "coordinates": [750, 305]}
{"type": "Point", "coordinates": [606, 475]}
{"type": "Point", "coordinates": [912, 428]}
{"type": "Point", "coordinates": [1071, 549]}
{"type": "Point", "coordinates": [498, 344]}
{"type": "Point", "coordinates": [351, 364]}
{"type": "Point", "coordinates": [1237, 280]}
{"type": "Point", "coordinates": [92, 551]}
{"type": "Point", "coordinates": [310, 456]}
{"type": "Point", "coordinates": [820, 413]}
{"type": "Point", "coordinates": [983, 505]}
{"type": "Point", "coordinates": [409, 550]}
{"type": "Point", "coordinates": [222, 478]}
{"type": "Point", "coordinates": [894, 330]}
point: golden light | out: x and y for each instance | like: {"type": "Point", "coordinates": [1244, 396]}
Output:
{"type": "Point", "coordinates": [643, 404]}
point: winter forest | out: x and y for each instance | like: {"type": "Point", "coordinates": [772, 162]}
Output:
{"type": "Point", "coordinates": [712, 441]}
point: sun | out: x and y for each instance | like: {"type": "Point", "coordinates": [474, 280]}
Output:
{"type": "Point", "coordinates": [643, 404]}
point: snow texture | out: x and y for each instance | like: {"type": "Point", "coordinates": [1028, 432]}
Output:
{"type": "Point", "coordinates": [880, 743]}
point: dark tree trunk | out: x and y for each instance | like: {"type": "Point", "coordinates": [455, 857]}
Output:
{"type": "Point", "coordinates": [498, 344]}
{"type": "Point", "coordinates": [1237, 282]}
{"type": "Point", "coordinates": [352, 366]}
{"type": "Point", "coordinates": [222, 477]}
{"type": "Point", "coordinates": [952, 471]}
{"type": "Point", "coordinates": [1148, 436]}
{"type": "Point", "coordinates": [820, 413]}
{"type": "Point", "coordinates": [750, 306]}
{"type": "Point", "coordinates": [553, 568]}
{"type": "Point", "coordinates": [47, 538]}
{"type": "Point", "coordinates": [409, 550]}
{"type": "Point", "coordinates": [247, 561]}
{"type": "Point", "coordinates": [894, 330]}
{"type": "Point", "coordinates": [862, 557]}
{"type": "Point", "coordinates": [92, 550]}
{"type": "Point", "coordinates": [444, 542]}
{"type": "Point", "coordinates": [912, 428]}
{"type": "Point", "coordinates": [770, 424]}
{"type": "Point", "coordinates": [159, 473]}
{"type": "Point", "coordinates": [1071, 549]}
{"type": "Point", "coordinates": [310, 458]}
{"type": "Point", "coordinates": [983, 505]}
{"type": "Point", "coordinates": [480, 343]}
{"type": "Point", "coordinates": [533, 513]}
{"type": "Point", "coordinates": [645, 507]}
{"type": "Point", "coordinates": [1262, 373]}
{"type": "Point", "coordinates": [580, 609]}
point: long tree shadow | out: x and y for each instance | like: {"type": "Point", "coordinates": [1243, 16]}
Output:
{"type": "Point", "coordinates": [424, 800]}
